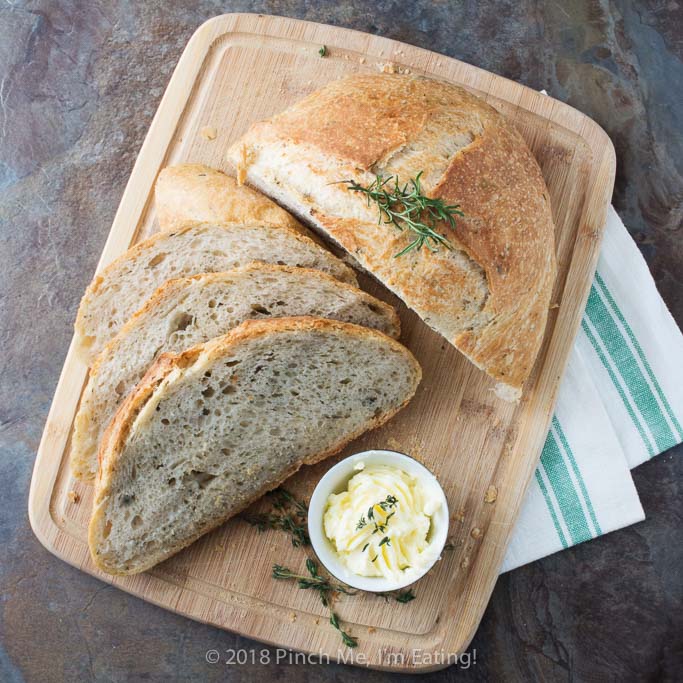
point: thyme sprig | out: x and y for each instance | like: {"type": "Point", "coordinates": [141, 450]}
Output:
{"type": "Point", "coordinates": [347, 639]}
{"type": "Point", "coordinates": [321, 584]}
{"type": "Point", "coordinates": [408, 208]}
{"type": "Point", "coordinates": [388, 503]}
{"type": "Point", "coordinates": [288, 515]}
{"type": "Point", "coordinates": [325, 589]}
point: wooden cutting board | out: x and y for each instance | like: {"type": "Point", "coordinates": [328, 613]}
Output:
{"type": "Point", "coordinates": [235, 70]}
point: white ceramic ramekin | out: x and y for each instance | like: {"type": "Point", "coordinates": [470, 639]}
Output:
{"type": "Point", "coordinates": [336, 481]}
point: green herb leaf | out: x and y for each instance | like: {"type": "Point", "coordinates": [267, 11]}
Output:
{"type": "Point", "coordinates": [348, 640]}
{"type": "Point", "coordinates": [404, 596]}
{"type": "Point", "coordinates": [322, 51]}
{"type": "Point", "coordinates": [399, 596]}
{"type": "Point", "coordinates": [288, 515]}
{"type": "Point", "coordinates": [323, 586]}
{"type": "Point", "coordinates": [384, 541]}
{"type": "Point", "coordinates": [408, 208]}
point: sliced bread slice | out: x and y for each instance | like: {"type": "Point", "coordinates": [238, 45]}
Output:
{"type": "Point", "coordinates": [124, 285]}
{"type": "Point", "coordinates": [209, 431]}
{"type": "Point", "coordinates": [188, 311]}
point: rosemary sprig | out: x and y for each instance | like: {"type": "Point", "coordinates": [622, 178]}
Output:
{"type": "Point", "coordinates": [323, 586]}
{"type": "Point", "coordinates": [290, 516]}
{"type": "Point", "coordinates": [408, 208]}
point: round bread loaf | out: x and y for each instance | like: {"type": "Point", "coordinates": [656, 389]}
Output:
{"type": "Point", "coordinates": [489, 295]}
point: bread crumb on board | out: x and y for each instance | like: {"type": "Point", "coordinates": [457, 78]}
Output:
{"type": "Point", "coordinates": [476, 532]}
{"type": "Point", "coordinates": [459, 516]}
{"type": "Point", "coordinates": [491, 494]}
{"type": "Point", "coordinates": [208, 133]}
{"type": "Point", "coordinates": [73, 497]}
{"type": "Point", "coordinates": [391, 68]}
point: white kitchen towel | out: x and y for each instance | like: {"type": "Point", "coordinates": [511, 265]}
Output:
{"type": "Point", "coordinates": [620, 403]}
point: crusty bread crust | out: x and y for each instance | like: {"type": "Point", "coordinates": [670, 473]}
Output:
{"type": "Point", "coordinates": [490, 297]}
{"type": "Point", "coordinates": [189, 193]}
{"type": "Point", "coordinates": [169, 366]}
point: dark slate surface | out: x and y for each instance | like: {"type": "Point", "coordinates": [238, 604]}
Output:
{"type": "Point", "coordinates": [79, 83]}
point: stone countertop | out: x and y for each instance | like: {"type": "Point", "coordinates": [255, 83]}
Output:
{"type": "Point", "coordinates": [79, 84]}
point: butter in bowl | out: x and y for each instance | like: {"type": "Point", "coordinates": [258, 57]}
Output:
{"type": "Point", "coordinates": [378, 520]}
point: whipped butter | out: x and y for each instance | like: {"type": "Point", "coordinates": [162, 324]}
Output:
{"type": "Point", "coordinates": [381, 525]}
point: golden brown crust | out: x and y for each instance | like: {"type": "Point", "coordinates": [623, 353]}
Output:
{"type": "Point", "coordinates": [189, 193]}
{"type": "Point", "coordinates": [470, 156]}
{"type": "Point", "coordinates": [116, 434]}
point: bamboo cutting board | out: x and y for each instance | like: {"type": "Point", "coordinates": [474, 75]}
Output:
{"type": "Point", "coordinates": [240, 68]}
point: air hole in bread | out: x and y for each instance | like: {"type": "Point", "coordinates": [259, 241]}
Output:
{"type": "Point", "coordinates": [229, 389]}
{"type": "Point", "coordinates": [120, 388]}
{"type": "Point", "coordinates": [257, 308]}
{"type": "Point", "coordinates": [231, 363]}
{"type": "Point", "coordinates": [156, 260]}
{"type": "Point", "coordinates": [136, 521]}
{"type": "Point", "coordinates": [107, 529]}
{"type": "Point", "coordinates": [208, 392]}
{"type": "Point", "coordinates": [180, 322]}
{"type": "Point", "coordinates": [165, 421]}
{"type": "Point", "coordinates": [171, 481]}
{"type": "Point", "coordinates": [212, 303]}
{"type": "Point", "coordinates": [202, 478]}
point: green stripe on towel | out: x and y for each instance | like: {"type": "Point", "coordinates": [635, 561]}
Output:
{"type": "Point", "coordinates": [551, 509]}
{"type": "Point", "coordinates": [616, 356]}
{"type": "Point", "coordinates": [636, 345]}
{"type": "Point", "coordinates": [629, 409]}
{"type": "Point", "coordinates": [577, 474]}
{"type": "Point", "coordinates": [563, 487]}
